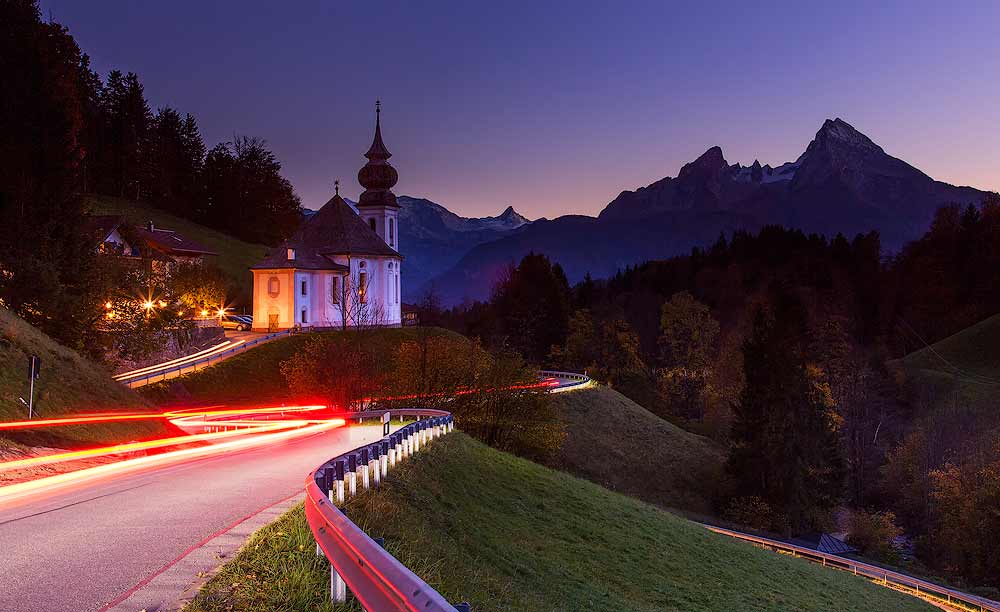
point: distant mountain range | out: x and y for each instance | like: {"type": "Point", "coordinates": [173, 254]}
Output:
{"type": "Point", "coordinates": [843, 182]}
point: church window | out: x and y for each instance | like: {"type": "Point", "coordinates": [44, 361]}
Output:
{"type": "Point", "coordinates": [303, 287]}
{"type": "Point", "coordinates": [290, 253]}
{"type": "Point", "coordinates": [392, 232]}
{"type": "Point", "coordinates": [304, 319]}
{"type": "Point", "coordinates": [371, 222]}
{"type": "Point", "coordinates": [363, 287]}
{"type": "Point", "coordinates": [273, 286]}
{"type": "Point", "coordinates": [335, 290]}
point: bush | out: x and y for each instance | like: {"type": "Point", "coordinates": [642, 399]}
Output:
{"type": "Point", "coordinates": [873, 533]}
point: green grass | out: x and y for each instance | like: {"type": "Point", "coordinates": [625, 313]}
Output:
{"type": "Point", "coordinates": [69, 383]}
{"type": "Point", "coordinates": [674, 468]}
{"type": "Point", "coordinates": [235, 256]}
{"type": "Point", "coordinates": [506, 534]}
{"type": "Point", "coordinates": [255, 375]}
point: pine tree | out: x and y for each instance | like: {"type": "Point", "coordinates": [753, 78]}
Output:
{"type": "Point", "coordinates": [784, 442]}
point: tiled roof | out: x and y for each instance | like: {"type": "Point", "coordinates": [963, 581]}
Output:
{"type": "Point", "coordinates": [170, 241]}
{"type": "Point", "coordinates": [305, 259]}
{"type": "Point", "coordinates": [336, 229]}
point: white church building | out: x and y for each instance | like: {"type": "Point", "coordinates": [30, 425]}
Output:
{"type": "Point", "coordinates": [342, 268]}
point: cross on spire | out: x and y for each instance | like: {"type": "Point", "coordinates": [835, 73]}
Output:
{"type": "Point", "coordinates": [336, 187]}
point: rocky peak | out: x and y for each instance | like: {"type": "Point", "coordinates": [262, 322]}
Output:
{"type": "Point", "coordinates": [511, 216]}
{"type": "Point", "coordinates": [839, 133]}
{"type": "Point", "coordinates": [710, 163]}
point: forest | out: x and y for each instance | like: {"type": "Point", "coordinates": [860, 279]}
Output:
{"type": "Point", "coordinates": [786, 349]}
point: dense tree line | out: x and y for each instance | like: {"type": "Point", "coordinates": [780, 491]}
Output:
{"type": "Point", "coordinates": [780, 346]}
{"type": "Point", "coordinates": [65, 133]}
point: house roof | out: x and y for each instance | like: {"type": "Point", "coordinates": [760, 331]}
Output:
{"type": "Point", "coordinates": [99, 227]}
{"type": "Point", "coordinates": [824, 542]}
{"type": "Point", "coordinates": [336, 229]}
{"type": "Point", "coordinates": [171, 242]}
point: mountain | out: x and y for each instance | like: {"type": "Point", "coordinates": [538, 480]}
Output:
{"type": "Point", "coordinates": [432, 238]}
{"type": "Point", "coordinates": [843, 182]}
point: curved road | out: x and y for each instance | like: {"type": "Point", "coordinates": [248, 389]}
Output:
{"type": "Point", "coordinates": [84, 550]}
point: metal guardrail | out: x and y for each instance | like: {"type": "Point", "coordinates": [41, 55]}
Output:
{"type": "Point", "coordinates": [159, 375]}
{"type": "Point", "coordinates": [886, 577]}
{"type": "Point", "coordinates": [357, 562]}
{"type": "Point", "coordinates": [573, 378]}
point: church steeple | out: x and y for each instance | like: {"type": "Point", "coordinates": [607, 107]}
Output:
{"type": "Point", "coordinates": [377, 176]}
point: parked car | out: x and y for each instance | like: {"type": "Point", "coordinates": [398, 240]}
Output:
{"type": "Point", "coordinates": [236, 322]}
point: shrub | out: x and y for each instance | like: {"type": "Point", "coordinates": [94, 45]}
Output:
{"type": "Point", "coordinates": [873, 534]}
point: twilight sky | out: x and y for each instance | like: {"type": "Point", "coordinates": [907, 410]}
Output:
{"type": "Point", "coordinates": [555, 108]}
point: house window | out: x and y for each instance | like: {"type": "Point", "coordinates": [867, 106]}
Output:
{"type": "Point", "coordinates": [303, 287]}
{"type": "Point", "coordinates": [371, 222]}
{"type": "Point", "coordinates": [363, 287]}
{"type": "Point", "coordinates": [304, 319]}
{"type": "Point", "coordinates": [290, 253]}
{"type": "Point", "coordinates": [392, 232]}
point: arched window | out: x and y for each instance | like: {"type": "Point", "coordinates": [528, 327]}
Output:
{"type": "Point", "coordinates": [273, 286]}
{"type": "Point", "coordinates": [392, 232]}
{"type": "Point", "coordinates": [371, 222]}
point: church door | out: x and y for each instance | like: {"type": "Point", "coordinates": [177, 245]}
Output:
{"type": "Point", "coordinates": [272, 323]}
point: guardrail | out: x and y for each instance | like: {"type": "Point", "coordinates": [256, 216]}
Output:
{"type": "Point", "coordinates": [921, 588]}
{"type": "Point", "coordinates": [357, 562]}
{"type": "Point", "coordinates": [159, 375]}
{"type": "Point", "coordinates": [573, 378]}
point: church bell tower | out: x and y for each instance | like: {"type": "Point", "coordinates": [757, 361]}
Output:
{"type": "Point", "coordinates": [377, 205]}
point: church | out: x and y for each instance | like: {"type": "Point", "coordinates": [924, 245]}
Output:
{"type": "Point", "coordinates": [341, 269]}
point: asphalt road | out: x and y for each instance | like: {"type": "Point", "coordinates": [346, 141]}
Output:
{"type": "Point", "coordinates": [80, 550]}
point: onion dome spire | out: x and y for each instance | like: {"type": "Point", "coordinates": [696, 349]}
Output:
{"type": "Point", "coordinates": [377, 176]}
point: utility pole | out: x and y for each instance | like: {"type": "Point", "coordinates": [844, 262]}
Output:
{"type": "Point", "coordinates": [34, 367]}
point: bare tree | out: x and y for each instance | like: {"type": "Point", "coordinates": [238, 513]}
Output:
{"type": "Point", "coordinates": [358, 309]}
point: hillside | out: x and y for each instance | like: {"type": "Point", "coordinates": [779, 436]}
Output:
{"type": "Point", "coordinates": [235, 256]}
{"type": "Point", "coordinates": [506, 534]}
{"type": "Point", "coordinates": [255, 375]}
{"type": "Point", "coordinates": [670, 467]}
{"type": "Point", "coordinates": [68, 383]}
{"type": "Point", "coordinates": [971, 356]}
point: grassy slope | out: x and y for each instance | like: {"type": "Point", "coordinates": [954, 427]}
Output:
{"type": "Point", "coordinates": [975, 351]}
{"type": "Point", "coordinates": [68, 383]}
{"type": "Point", "coordinates": [256, 375]}
{"type": "Point", "coordinates": [507, 534]}
{"type": "Point", "coordinates": [235, 256]}
{"type": "Point", "coordinates": [670, 467]}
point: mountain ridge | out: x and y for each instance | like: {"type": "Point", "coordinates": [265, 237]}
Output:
{"type": "Point", "coordinates": [843, 182]}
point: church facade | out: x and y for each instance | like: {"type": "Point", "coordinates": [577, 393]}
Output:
{"type": "Point", "coordinates": [341, 269]}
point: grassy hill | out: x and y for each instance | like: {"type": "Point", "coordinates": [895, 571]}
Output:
{"type": "Point", "coordinates": [255, 375]}
{"type": "Point", "coordinates": [670, 467]}
{"type": "Point", "coordinates": [235, 256]}
{"type": "Point", "coordinates": [506, 534]}
{"type": "Point", "coordinates": [961, 372]}
{"type": "Point", "coordinates": [68, 383]}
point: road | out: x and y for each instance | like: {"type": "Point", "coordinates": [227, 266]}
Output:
{"type": "Point", "coordinates": [83, 549]}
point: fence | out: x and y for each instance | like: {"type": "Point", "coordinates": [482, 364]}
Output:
{"type": "Point", "coordinates": [921, 588]}
{"type": "Point", "coordinates": [173, 371]}
{"type": "Point", "coordinates": [357, 562]}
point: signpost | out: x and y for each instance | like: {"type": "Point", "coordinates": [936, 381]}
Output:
{"type": "Point", "coordinates": [385, 424]}
{"type": "Point", "coordinates": [34, 368]}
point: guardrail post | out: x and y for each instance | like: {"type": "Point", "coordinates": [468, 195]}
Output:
{"type": "Point", "coordinates": [463, 607]}
{"type": "Point", "coordinates": [375, 464]}
{"type": "Point", "coordinates": [352, 476]}
{"type": "Point", "coordinates": [393, 446]}
{"type": "Point", "coordinates": [340, 482]}
{"type": "Point", "coordinates": [384, 458]}
{"type": "Point", "coordinates": [338, 588]}
{"type": "Point", "coordinates": [365, 462]}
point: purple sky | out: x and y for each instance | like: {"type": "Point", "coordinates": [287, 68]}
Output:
{"type": "Point", "coordinates": [555, 108]}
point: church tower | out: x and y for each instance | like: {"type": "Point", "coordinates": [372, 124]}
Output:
{"type": "Point", "coordinates": [377, 204]}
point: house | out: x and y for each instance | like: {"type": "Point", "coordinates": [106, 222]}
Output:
{"type": "Point", "coordinates": [342, 268]}
{"type": "Point", "coordinates": [163, 248]}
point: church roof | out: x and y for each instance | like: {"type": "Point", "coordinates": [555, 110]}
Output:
{"type": "Point", "coordinates": [335, 229]}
